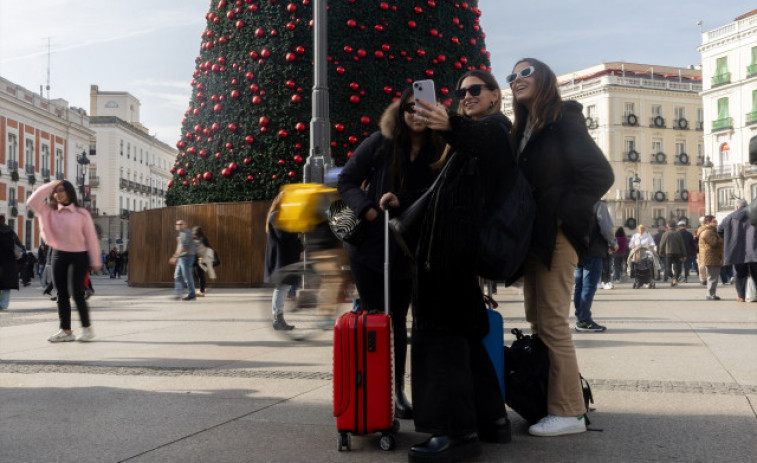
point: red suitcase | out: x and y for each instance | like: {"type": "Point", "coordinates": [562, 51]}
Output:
{"type": "Point", "coordinates": [364, 373]}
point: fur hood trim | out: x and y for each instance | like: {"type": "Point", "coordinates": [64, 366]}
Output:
{"type": "Point", "coordinates": [388, 123]}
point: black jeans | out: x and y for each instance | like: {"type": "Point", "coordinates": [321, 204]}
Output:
{"type": "Point", "coordinates": [199, 274]}
{"type": "Point", "coordinates": [455, 387]}
{"type": "Point", "coordinates": [70, 268]}
{"type": "Point", "coordinates": [370, 287]}
{"type": "Point", "coordinates": [673, 266]}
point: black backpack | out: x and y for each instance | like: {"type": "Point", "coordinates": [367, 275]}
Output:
{"type": "Point", "coordinates": [527, 376]}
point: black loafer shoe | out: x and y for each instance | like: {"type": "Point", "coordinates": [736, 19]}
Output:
{"type": "Point", "coordinates": [445, 449]}
{"type": "Point", "coordinates": [499, 432]}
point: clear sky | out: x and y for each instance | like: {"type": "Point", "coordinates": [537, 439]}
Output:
{"type": "Point", "coordinates": [148, 47]}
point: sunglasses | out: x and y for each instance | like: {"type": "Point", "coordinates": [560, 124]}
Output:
{"type": "Point", "coordinates": [474, 90]}
{"type": "Point", "coordinates": [409, 108]}
{"type": "Point", "coordinates": [525, 72]}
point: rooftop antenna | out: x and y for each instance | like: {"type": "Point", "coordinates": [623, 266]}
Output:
{"type": "Point", "coordinates": [48, 68]}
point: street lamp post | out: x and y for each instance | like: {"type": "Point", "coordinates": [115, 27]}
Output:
{"type": "Point", "coordinates": [637, 195]}
{"type": "Point", "coordinates": [708, 165]}
{"type": "Point", "coordinates": [83, 161]}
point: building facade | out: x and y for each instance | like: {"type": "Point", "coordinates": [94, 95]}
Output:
{"type": "Point", "coordinates": [40, 140]}
{"type": "Point", "coordinates": [648, 122]}
{"type": "Point", "coordinates": [729, 96]}
{"type": "Point", "coordinates": [131, 169]}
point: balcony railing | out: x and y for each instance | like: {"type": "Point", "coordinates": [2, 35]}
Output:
{"type": "Point", "coordinates": [681, 195]}
{"type": "Point", "coordinates": [721, 79]}
{"type": "Point", "coordinates": [722, 124]}
{"type": "Point", "coordinates": [682, 159]}
{"type": "Point", "coordinates": [123, 183]}
{"type": "Point", "coordinates": [631, 156]}
{"type": "Point", "coordinates": [700, 125]}
{"type": "Point", "coordinates": [12, 165]}
{"type": "Point", "coordinates": [59, 176]}
{"type": "Point", "coordinates": [657, 121]}
{"type": "Point", "coordinates": [13, 202]}
{"type": "Point", "coordinates": [45, 172]}
{"type": "Point", "coordinates": [658, 158]}
{"type": "Point", "coordinates": [124, 213]}
{"type": "Point", "coordinates": [29, 168]}
{"type": "Point", "coordinates": [94, 181]}
{"type": "Point", "coordinates": [681, 124]}
{"type": "Point", "coordinates": [751, 118]}
{"type": "Point", "coordinates": [131, 185]}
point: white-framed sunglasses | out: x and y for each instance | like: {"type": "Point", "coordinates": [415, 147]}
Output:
{"type": "Point", "coordinates": [525, 72]}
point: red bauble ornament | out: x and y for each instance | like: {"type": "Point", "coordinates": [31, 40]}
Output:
{"type": "Point", "coordinates": [354, 86]}
{"type": "Point", "coordinates": [283, 133]}
{"type": "Point", "coordinates": [361, 53]}
{"type": "Point", "coordinates": [249, 139]}
{"type": "Point", "coordinates": [250, 178]}
{"type": "Point", "coordinates": [429, 73]}
{"type": "Point", "coordinates": [203, 154]}
{"type": "Point", "coordinates": [256, 100]}
{"type": "Point", "coordinates": [291, 8]}
{"type": "Point", "coordinates": [340, 70]}
{"type": "Point", "coordinates": [378, 54]}
{"type": "Point", "coordinates": [339, 127]}
{"type": "Point", "coordinates": [352, 139]}
{"type": "Point", "coordinates": [387, 89]}
{"type": "Point", "coordinates": [384, 6]}
{"type": "Point", "coordinates": [412, 24]}
{"type": "Point", "coordinates": [281, 162]}
{"type": "Point", "coordinates": [215, 127]}
{"type": "Point", "coordinates": [185, 183]}
{"type": "Point", "coordinates": [299, 50]}
{"type": "Point", "coordinates": [463, 60]}
{"type": "Point", "coordinates": [239, 24]}
{"type": "Point", "coordinates": [253, 55]}
{"type": "Point", "coordinates": [192, 151]}
{"type": "Point", "coordinates": [232, 127]}
{"type": "Point", "coordinates": [263, 121]}
{"type": "Point", "coordinates": [247, 161]}
{"type": "Point", "coordinates": [347, 49]}
{"type": "Point", "coordinates": [225, 172]}
{"type": "Point", "coordinates": [289, 57]}
{"type": "Point", "coordinates": [217, 108]}
{"type": "Point", "coordinates": [290, 83]}
{"type": "Point", "coordinates": [181, 172]}
{"type": "Point", "coordinates": [274, 176]}
{"type": "Point", "coordinates": [207, 176]}
{"type": "Point", "coordinates": [173, 169]}
{"type": "Point", "coordinates": [181, 144]}
{"type": "Point", "coordinates": [365, 120]}
{"type": "Point", "coordinates": [296, 98]}
{"type": "Point", "coordinates": [351, 23]}
{"type": "Point", "coordinates": [300, 127]}
{"type": "Point", "coordinates": [265, 53]}
{"type": "Point", "coordinates": [259, 32]}
{"type": "Point", "coordinates": [233, 166]}
{"type": "Point", "coordinates": [170, 183]}
{"type": "Point", "coordinates": [235, 94]}
{"type": "Point", "coordinates": [354, 99]}
{"type": "Point", "coordinates": [218, 155]}
{"type": "Point", "coordinates": [297, 158]}
{"type": "Point", "coordinates": [291, 174]}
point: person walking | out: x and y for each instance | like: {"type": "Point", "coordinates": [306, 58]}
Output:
{"type": "Point", "coordinates": [740, 247]}
{"type": "Point", "coordinates": [281, 249]}
{"type": "Point", "coordinates": [204, 256]}
{"type": "Point", "coordinates": [456, 395]}
{"type": "Point", "coordinates": [711, 254]}
{"type": "Point", "coordinates": [8, 264]}
{"type": "Point", "coordinates": [690, 246]}
{"type": "Point", "coordinates": [673, 249]}
{"type": "Point", "coordinates": [70, 231]}
{"type": "Point", "coordinates": [569, 174]}
{"type": "Point", "coordinates": [620, 256]}
{"type": "Point", "coordinates": [702, 270]}
{"type": "Point", "coordinates": [396, 164]}
{"type": "Point", "coordinates": [183, 258]}
{"type": "Point", "coordinates": [589, 269]}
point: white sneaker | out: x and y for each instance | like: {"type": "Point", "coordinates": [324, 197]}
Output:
{"type": "Point", "coordinates": [86, 335]}
{"type": "Point", "coordinates": [608, 285]}
{"type": "Point", "coordinates": [552, 425]}
{"type": "Point", "coordinates": [62, 336]}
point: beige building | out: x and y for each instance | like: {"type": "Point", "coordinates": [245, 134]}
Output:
{"type": "Point", "coordinates": [40, 140]}
{"type": "Point", "coordinates": [132, 168]}
{"type": "Point", "coordinates": [648, 121]}
{"type": "Point", "coordinates": [729, 96]}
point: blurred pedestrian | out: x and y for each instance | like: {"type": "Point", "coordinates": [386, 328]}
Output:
{"type": "Point", "coordinates": [183, 258]}
{"type": "Point", "coordinates": [8, 264]}
{"type": "Point", "coordinates": [281, 249]}
{"type": "Point", "coordinates": [204, 256]}
{"type": "Point", "coordinates": [620, 256]}
{"type": "Point", "coordinates": [711, 254]}
{"type": "Point", "coordinates": [740, 243]}
{"type": "Point", "coordinates": [691, 249]}
{"type": "Point", "coordinates": [673, 249]}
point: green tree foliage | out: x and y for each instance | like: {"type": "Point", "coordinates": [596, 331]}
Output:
{"type": "Point", "coordinates": [246, 131]}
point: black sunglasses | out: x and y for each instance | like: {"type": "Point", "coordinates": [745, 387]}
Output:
{"type": "Point", "coordinates": [474, 90]}
{"type": "Point", "coordinates": [408, 108]}
{"type": "Point", "coordinates": [525, 72]}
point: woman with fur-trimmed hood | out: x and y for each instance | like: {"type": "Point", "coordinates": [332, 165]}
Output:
{"type": "Point", "coordinates": [389, 170]}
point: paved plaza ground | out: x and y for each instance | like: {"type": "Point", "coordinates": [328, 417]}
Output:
{"type": "Point", "coordinates": [674, 379]}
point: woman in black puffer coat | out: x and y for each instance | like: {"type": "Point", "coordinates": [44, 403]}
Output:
{"type": "Point", "coordinates": [455, 389]}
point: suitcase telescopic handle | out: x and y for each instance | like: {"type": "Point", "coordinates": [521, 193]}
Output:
{"type": "Point", "coordinates": [386, 261]}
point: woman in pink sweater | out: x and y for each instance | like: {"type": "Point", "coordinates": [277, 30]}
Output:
{"type": "Point", "coordinates": [70, 231]}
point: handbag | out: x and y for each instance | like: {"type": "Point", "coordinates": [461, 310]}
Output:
{"type": "Point", "coordinates": [18, 251]}
{"type": "Point", "coordinates": [216, 259]}
{"type": "Point", "coordinates": [344, 223]}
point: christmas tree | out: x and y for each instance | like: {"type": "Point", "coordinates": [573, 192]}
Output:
{"type": "Point", "coordinates": [246, 131]}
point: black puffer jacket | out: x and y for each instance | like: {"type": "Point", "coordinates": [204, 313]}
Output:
{"type": "Point", "coordinates": [372, 163]}
{"type": "Point", "coordinates": [448, 297]}
{"type": "Point", "coordinates": [568, 173]}
{"type": "Point", "coordinates": [8, 265]}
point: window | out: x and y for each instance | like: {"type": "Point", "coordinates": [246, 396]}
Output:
{"type": "Point", "coordinates": [44, 159]}
{"type": "Point", "coordinates": [122, 147]}
{"type": "Point", "coordinates": [681, 184]}
{"type": "Point", "coordinates": [12, 200]}
{"type": "Point", "coordinates": [722, 76]}
{"type": "Point", "coordinates": [700, 150]}
{"type": "Point", "coordinates": [29, 152]}
{"type": "Point", "coordinates": [59, 160]}
{"type": "Point", "coordinates": [628, 108]}
{"type": "Point", "coordinates": [657, 184]}
{"type": "Point", "coordinates": [629, 144]}
{"type": "Point", "coordinates": [140, 155]}
{"type": "Point", "coordinates": [751, 70]}
{"type": "Point", "coordinates": [12, 148]}
{"type": "Point", "coordinates": [680, 112]}
{"type": "Point", "coordinates": [751, 116]}
{"type": "Point", "coordinates": [724, 119]}
{"type": "Point", "coordinates": [656, 110]}
{"type": "Point", "coordinates": [725, 198]}
{"type": "Point", "coordinates": [725, 154]}
{"type": "Point", "coordinates": [656, 146]}
{"type": "Point", "coordinates": [680, 147]}
{"type": "Point", "coordinates": [28, 234]}
{"type": "Point", "coordinates": [128, 150]}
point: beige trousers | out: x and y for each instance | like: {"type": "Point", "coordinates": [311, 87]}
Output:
{"type": "Point", "coordinates": [547, 295]}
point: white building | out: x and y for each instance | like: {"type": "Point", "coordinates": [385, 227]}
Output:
{"type": "Point", "coordinates": [40, 140]}
{"type": "Point", "coordinates": [131, 168]}
{"type": "Point", "coordinates": [648, 121]}
{"type": "Point", "coordinates": [729, 95]}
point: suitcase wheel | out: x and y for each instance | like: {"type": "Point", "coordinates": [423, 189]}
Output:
{"type": "Point", "coordinates": [387, 442]}
{"type": "Point", "coordinates": [344, 442]}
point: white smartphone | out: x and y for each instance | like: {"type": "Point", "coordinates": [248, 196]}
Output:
{"type": "Point", "coordinates": [424, 90]}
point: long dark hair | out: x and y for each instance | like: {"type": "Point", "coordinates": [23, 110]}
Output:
{"type": "Point", "coordinates": [198, 234]}
{"type": "Point", "coordinates": [620, 232]}
{"type": "Point", "coordinates": [547, 104]}
{"type": "Point", "coordinates": [492, 84]}
{"type": "Point", "coordinates": [401, 139]}
{"type": "Point", "coordinates": [70, 192]}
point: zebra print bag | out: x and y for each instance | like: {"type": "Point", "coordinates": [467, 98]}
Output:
{"type": "Point", "coordinates": [344, 223]}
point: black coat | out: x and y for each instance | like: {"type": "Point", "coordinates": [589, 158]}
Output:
{"type": "Point", "coordinates": [281, 249]}
{"type": "Point", "coordinates": [740, 238]}
{"type": "Point", "coordinates": [569, 174]}
{"type": "Point", "coordinates": [448, 296]}
{"type": "Point", "coordinates": [8, 265]}
{"type": "Point", "coordinates": [372, 162]}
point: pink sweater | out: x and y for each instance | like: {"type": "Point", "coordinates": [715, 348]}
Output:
{"type": "Point", "coordinates": [69, 228]}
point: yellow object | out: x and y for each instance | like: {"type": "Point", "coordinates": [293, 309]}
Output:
{"type": "Point", "coordinates": [303, 206]}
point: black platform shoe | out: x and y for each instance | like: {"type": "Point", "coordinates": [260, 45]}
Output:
{"type": "Point", "coordinates": [499, 432]}
{"type": "Point", "coordinates": [402, 408]}
{"type": "Point", "coordinates": [445, 449]}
